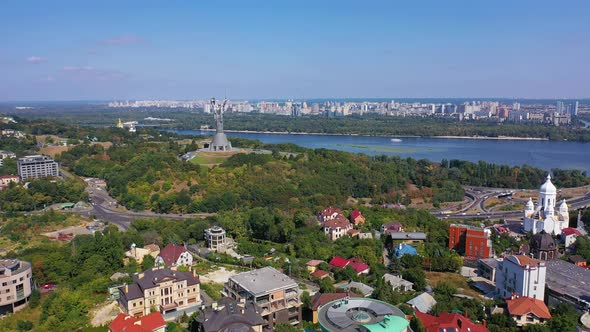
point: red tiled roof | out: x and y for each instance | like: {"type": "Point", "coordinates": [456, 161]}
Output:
{"type": "Point", "coordinates": [320, 299]}
{"type": "Point", "coordinates": [393, 226]}
{"type": "Point", "coordinates": [358, 265]}
{"type": "Point", "coordinates": [524, 305]}
{"type": "Point", "coordinates": [9, 177]}
{"type": "Point", "coordinates": [526, 260]}
{"type": "Point", "coordinates": [339, 221]}
{"type": "Point", "coordinates": [330, 211]}
{"type": "Point", "coordinates": [570, 231]}
{"type": "Point", "coordinates": [338, 261]}
{"type": "Point", "coordinates": [355, 213]}
{"type": "Point", "coordinates": [171, 253]}
{"type": "Point", "coordinates": [319, 274]}
{"type": "Point", "coordinates": [124, 323]}
{"type": "Point", "coordinates": [448, 320]}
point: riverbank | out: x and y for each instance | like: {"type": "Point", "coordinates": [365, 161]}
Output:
{"type": "Point", "coordinates": [515, 138]}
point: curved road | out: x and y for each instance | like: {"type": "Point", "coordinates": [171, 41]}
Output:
{"type": "Point", "coordinates": [104, 207]}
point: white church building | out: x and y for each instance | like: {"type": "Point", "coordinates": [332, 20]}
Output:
{"type": "Point", "coordinates": [543, 216]}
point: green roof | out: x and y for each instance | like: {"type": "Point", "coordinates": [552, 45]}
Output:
{"type": "Point", "coordinates": [388, 324]}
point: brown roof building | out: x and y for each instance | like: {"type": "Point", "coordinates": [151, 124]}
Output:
{"type": "Point", "coordinates": [166, 290]}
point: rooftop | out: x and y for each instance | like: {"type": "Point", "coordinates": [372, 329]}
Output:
{"type": "Point", "coordinates": [407, 236]}
{"type": "Point", "coordinates": [125, 323]}
{"type": "Point", "coordinates": [568, 279]}
{"type": "Point", "coordinates": [263, 280]}
{"type": "Point", "coordinates": [524, 305]}
{"type": "Point", "coordinates": [351, 314]}
{"type": "Point", "coordinates": [423, 302]}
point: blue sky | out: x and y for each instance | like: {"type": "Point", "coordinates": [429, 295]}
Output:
{"type": "Point", "coordinates": [107, 49]}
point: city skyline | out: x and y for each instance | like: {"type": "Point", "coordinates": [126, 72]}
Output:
{"type": "Point", "coordinates": [300, 50]}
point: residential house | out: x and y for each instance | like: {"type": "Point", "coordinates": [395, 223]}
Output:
{"type": "Point", "coordinates": [449, 322]}
{"type": "Point", "coordinates": [313, 265]}
{"type": "Point", "coordinates": [163, 289]}
{"type": "Point", "coordinates": [228, 314]}
{"type": "Point", "coordinates": [392, 227]}
{"type": "Point", "coordinates": [275, 293]}
{"type": "Point", "coordinates": [522, 275]}
{"type": "Point", "coordinates": [397, 283]}
{"type": "Point", "coordinates": [526, 310]}
{"type": "Point", "coordinates": [153, 322]}
{"type": "Point", "coordinates": [329, 214]}
{"type": "Point", "coordinates": [578, 261]}
{"type": "Point", "coordinates": [174, 255]}
{"type": "Point", "coordinates": [319, 274]}
{"type": "Point", "coordinates": [423, 302]}
{"type": "Point", "coordinates": [359, 287]}
{"type": "Point", "coordinates": [336, 227]}
{"type": "Point", "coordinates": [569, 236]}
{"type": "Point", "coordinates": [139, 253]}
{"type": "Point", "coordinates": [356, 263]}
{"type": "Point", "coordinates": [356, 217]}
{"type": "Point", "coordinates": [319, 299]}
{"type": "Point", "coordinates": [6, 180]}
{"type": "Point", "coordinates": [404, 249]}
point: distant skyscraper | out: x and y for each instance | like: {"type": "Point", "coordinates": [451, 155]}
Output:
{"type": "Point", "coordinates": [516, 106]}
{"type": "Point", "coordinates": [559, 107]}
{"type": "Point", "coordinates": [575, 108]}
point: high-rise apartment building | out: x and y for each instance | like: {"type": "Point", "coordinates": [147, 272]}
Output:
{"type": "Point", "coordinates": [474, 242]}
{"type": "Point", "coordinates": [37, 166]}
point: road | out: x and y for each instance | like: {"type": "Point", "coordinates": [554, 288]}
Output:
{"type": "Point", "coordinates": [478, 196]}
{"type": "Point", "coordinates": [106, 208]}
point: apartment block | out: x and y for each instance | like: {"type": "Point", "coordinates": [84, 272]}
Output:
{"type": "Point", "coordinates": [37, 166]}
{"type": "Point", "coordinates": [274, 292]}
{"type": "Point", "coordinates": [473, 242]}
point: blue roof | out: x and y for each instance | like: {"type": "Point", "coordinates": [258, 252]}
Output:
{"type": "Point", "coordinates": [404, 249]}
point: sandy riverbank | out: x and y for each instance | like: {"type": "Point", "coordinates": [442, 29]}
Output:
{"type": "Point", "coordinates": [395, 136]}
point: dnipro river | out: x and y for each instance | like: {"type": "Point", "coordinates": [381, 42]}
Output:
{"type": "Point", "coordinates": [542, 154]}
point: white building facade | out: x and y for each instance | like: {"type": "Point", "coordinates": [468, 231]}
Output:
{"type": "Point", "coordinates": [521, 275]}
{"type": "Point", "coordinates": [542, 216]}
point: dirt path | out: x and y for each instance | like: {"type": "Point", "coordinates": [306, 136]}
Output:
{"type": "Point", "coordinates": [104, 314]}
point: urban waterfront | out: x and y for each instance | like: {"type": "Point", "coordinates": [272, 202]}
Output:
{"type": "Point", "coordinates": [542, 154]}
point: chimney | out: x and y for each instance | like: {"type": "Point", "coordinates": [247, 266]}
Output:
{"type": "Point", "coordinates": [214, 305]}
{"type": "Point", "coordinates": [126, 288]}
{"type": "Point", "coordinates": [484, 323]}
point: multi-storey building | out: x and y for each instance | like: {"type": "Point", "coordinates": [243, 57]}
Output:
{"type": "Point", "coordinates": [168, 291]}
{"type": "Point", "coordinates": [275, 293]}
{"type": "Point", "coordinates": [16, 285]}
{"type": "Point", "coordinates": [472, 241]}
{"type": "Point", "coordinates": [521, 275]}
{"type": "Point", "coordinates": [215, 238]}
{"type": "Point", "coordinates": [37, 166]}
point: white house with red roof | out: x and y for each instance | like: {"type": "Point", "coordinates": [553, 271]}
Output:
{"type": "Point", "coordinates": [174, 255]}
{"type": "Point", "coordinates": [329, 214]}
{"type": "Point", "coordinates": [356, 263]}
{"type": "Point", "coordinates": [337, 227]}
{"type": "Point", "coordinates": [153, 322]}
{"type": "Point", "coordinates": [569, 236]}
{"type": "Point", "coordinates": [526, 310]}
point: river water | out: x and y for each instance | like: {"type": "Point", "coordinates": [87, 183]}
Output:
{"type": "Point", "coordinates": [542, 154]}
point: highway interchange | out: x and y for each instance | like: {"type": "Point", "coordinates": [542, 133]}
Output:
{"type": "Point", "coordinates": [106, 208]}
